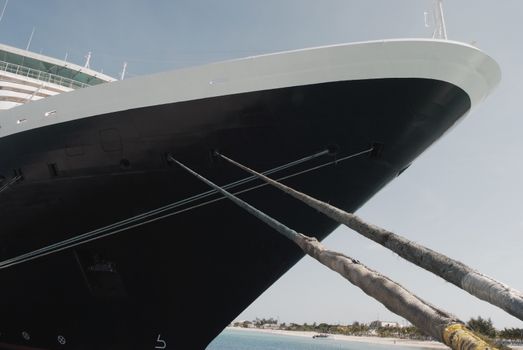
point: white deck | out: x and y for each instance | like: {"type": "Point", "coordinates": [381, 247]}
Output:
{"type": "Point", "coordinates": [20, 83]}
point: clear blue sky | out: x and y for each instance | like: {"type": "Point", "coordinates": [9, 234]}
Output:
{"type": "Point", "coordinates": [463, 197]}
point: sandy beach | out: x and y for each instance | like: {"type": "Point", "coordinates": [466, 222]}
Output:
{"type": "Point", "coordinates": [370, 340]}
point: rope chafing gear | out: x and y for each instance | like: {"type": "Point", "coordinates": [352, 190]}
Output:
{"type": "Point", "coordinates": [429, 319]}
{"type": "Point", "coordinates": [453, 271]}
{"type": "Point", "coordinates": [162, 212]}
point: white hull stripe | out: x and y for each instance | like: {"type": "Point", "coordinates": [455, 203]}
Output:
{"type": "Point", "coordinates": [459, 64]}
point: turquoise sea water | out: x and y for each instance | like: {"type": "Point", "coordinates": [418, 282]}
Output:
{"type": "Point", "coordinates": [232, 339]}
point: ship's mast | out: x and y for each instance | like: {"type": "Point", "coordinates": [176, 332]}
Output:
{"type": "Point", "coordinates": [3, 10]}
{"type": "Point", "coordinates": [87, 60]}
{"type": "Point", "coordinates": [124, 69]}
{"type": "Point", "coordinates": [440, 30]}
{"type": "Point", "coordinates": [30, 39]}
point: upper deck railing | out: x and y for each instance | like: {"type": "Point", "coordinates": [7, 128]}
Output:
{"type": "Point", "coordinates": [40, 75]}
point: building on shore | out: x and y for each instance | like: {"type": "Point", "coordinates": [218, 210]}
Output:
{"type": "Point", "coordinates": [383, 324]}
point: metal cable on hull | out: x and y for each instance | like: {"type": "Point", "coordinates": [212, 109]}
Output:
{"type": "Point", "coordinates": [151, 216]}
{"type": "Point", "coordinates": [10, 183]}
{"type": "Point", "coordinates": [433, 321]}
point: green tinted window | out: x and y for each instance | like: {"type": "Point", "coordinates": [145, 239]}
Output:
{"type": "Point", "coordinates": [47, 67]}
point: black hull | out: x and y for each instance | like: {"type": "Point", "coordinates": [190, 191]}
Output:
{"type": "Point", "coordinates": [200, 269]}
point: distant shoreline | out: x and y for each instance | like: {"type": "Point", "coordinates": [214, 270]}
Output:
{"type": "Point", "coordinates": [362, 339]}
{"type": "Point", "coordinates": [351, 338]}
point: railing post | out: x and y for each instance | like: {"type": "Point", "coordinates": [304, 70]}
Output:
{"type": "Point", "coordinates": [40, 75]}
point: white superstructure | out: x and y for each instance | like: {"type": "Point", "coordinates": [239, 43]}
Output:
{"type": "Point", "coordinates": [26, 76]}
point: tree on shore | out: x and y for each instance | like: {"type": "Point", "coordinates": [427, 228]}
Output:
{"type": "Point", "coordinates": [483, 326]}
{"type": "Point", "coordinates": [511, 334]}
{"type": "Point", "coordinates": [260, 322]}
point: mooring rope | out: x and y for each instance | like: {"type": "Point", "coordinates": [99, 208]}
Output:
{"type": "Point", "coordinates": [435, 322]}
{"type": "Point", "coordinates": [453, 271]}
{"type": "Point", "coordinates": [149, 217]}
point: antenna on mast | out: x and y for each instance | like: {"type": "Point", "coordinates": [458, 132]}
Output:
{"type": "Point", "coordinates": [122, 75]}
{"type": "Point", "coordinates": [440, 30]}
{"type": "Point", "coordinates": [3, 10]}
{"type": "Point", "coordinates": [30, 39]}
{"type": "Point", "coordinates": [87, 60]}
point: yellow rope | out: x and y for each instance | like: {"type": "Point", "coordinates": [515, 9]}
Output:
{"type": "Point", "coordinates": [459, 337]}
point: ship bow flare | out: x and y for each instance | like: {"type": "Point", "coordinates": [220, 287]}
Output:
{"type": "Point", "coordinates": [82, 268]}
